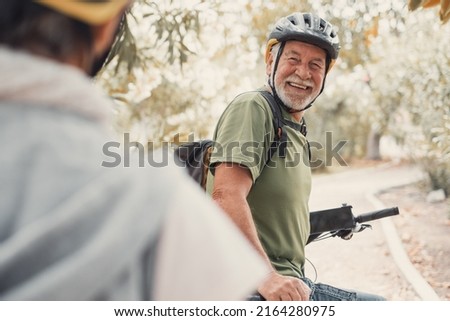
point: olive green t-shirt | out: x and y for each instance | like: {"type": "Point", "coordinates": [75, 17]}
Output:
{"type": "Point", "coordinates": [279, 196]}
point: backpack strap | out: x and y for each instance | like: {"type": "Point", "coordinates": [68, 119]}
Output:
{"type": "Point", "coordinates": [280, 142]}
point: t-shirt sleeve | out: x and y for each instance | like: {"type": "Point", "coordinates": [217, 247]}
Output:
{"type": "Point", "coordinates": [243, 133]}
{"type": "Point", "coordinates": [202, 256]}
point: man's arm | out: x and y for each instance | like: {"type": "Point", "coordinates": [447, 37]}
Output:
{"type": "Point", "coordinates": [232, 183]}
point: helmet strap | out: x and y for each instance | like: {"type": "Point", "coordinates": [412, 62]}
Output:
{"type": "Point", "coordinates": [275, 67]}
{"type": "Point", "coordinates": [272, 82]}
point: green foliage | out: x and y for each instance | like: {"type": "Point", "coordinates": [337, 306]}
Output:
{"type": "Point", "coordinates": [411, 80]}
{"type": "Point", "coordinates": [145, 71]}
{"type": "Point", "coordinates": [170, 26]}
{"type": "Point", "coordinates": [342, 110]}
{"type": "Point", "coordinates": [178, 64]}
{"type": "Point", "coordinates": [444, 12]}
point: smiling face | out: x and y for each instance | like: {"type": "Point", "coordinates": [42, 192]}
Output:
{"type": "Point", "coordinates": [300, 73]}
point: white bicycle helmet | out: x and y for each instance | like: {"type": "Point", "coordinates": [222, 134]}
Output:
{"type": "Point", "coordinates": [308, 28]}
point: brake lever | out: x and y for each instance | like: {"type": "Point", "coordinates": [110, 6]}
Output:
{"type": "Point", "coordinates": [360, 227]}
{"type": "Point", "coordinates": [348, 234]}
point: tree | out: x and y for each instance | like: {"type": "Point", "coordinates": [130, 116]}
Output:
{"type": "Point", "coordinates": [170, 66]}
{"type": "Point", "coordinates": [412, 74]}
{"type": "Point", "coordinates": [392, 73]}
{"type": "Point", "coordinates": [144, 67]}
{"type": "Point", "coordinates": [444, 12]}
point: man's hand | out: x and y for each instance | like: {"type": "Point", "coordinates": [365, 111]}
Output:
{"type": "Point", "coordinates": [284, 288]}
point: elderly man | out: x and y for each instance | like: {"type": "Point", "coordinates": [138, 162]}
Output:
{"type": "Point", "coordinates": [266, 194]}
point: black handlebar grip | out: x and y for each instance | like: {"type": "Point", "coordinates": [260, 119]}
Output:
{"type": "Point", "coordinates": [375, 215]}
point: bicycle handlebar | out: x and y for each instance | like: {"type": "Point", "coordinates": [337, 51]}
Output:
{"type": "Point", "coordinates": [375, 215]}
{"type": "Point", "coordinates": [341, 221]}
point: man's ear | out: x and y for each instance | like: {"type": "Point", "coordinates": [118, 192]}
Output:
{"type": "Point", "coordinates": [269, 65]}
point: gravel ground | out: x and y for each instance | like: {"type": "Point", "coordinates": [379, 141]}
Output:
{"type": "Point", "coordinates": [424, 229]}
{"type": "Point", "coordinates": [365, 262]}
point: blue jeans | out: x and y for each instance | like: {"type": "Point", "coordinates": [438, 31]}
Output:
{"type": "Point", "coordinates": [325, 292]}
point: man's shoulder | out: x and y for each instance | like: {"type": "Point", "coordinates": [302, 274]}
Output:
{"type": "Point", "coordinates": [251, 104]}
{"type": "Point", "coordinates": [253, 97]}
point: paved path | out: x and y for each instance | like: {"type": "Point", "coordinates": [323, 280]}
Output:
{"type": "Point", "coordinates": [364, 262]}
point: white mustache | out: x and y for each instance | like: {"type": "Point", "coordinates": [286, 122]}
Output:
{"type": "Point", "coordinates": [299, 82]}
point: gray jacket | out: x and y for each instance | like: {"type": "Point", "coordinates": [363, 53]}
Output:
{"type": "Point", "coordinates": [72, 229]}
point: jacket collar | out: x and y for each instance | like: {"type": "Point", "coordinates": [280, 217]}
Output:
{"type": "Point", "coordinates": [40, 82]}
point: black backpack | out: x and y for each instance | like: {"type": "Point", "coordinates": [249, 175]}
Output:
{"type": "Point", "coordinates": [194, 156]}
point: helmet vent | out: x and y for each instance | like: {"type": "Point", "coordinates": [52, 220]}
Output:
{"type": "Point", "coordinates": [323, 25]}
{"type": "Point", "coordinates": [307, 21]}
{"type": "Point", "coordinates": [309, 28]}
{"type": "Point", "coordinates": [293, 20]}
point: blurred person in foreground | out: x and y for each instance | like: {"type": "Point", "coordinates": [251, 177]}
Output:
{"type": "Point", "coordinates": [71, 229]}
{"type": "Point", "coordinates": [269, 200]}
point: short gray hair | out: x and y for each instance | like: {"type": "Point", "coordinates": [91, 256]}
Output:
{"type": "Point", "coordinates": [274, 52]}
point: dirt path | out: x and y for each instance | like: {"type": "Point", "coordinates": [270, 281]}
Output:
{"type": "Point", "coordinates": [424, 229]}
{"type": "Point", "coordinates": [364, 262]}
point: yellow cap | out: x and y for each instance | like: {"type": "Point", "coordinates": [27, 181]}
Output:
{"type": "Point", "coordinates": [90, 12]}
